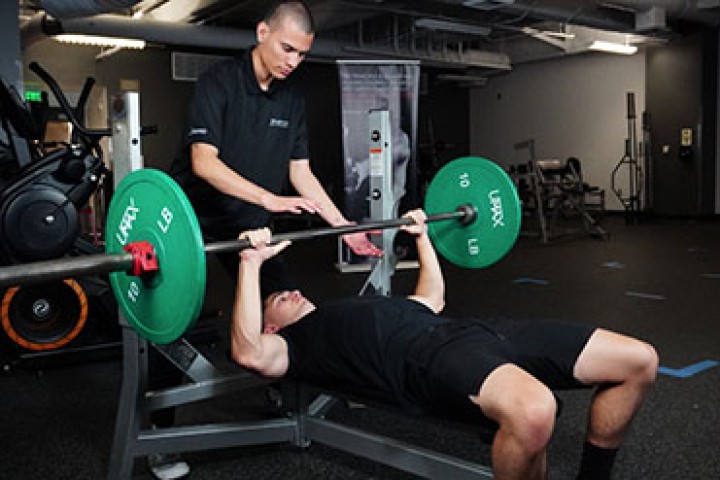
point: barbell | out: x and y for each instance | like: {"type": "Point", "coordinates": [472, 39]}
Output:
{"type": "Point", "coordinates": [156, 258]}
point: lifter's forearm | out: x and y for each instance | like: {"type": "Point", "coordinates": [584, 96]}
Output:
{"type": "Point", "coordinates": [430, 283]}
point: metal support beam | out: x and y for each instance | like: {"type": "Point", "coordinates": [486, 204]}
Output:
{"type": "Point", "coordinates": [394, 453]}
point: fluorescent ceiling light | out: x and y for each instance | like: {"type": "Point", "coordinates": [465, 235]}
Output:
{"type": "Point", "coordinates": [550, 33]}
{"type": "Point", "coordinates": [97, 41]}
{"type": "Point", "coordinates": [445, 26]}
{"type": "Point", "coordinates": [486, 4]}
{"type": "Point", "coordinates": [611, 47]}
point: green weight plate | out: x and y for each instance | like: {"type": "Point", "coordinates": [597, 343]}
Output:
{"type": "Point", "coordinates": [483, 184]}
{"type": "Point", "coordinates": [148, 205]}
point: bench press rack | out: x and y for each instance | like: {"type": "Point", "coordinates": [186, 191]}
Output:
{"type": "Point", "coordinates": [304, 424]}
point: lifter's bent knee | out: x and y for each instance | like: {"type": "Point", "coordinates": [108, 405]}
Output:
{"type": "Point", "coordinates": [524, 408]}
{"type": "Point", "coordinates": [532, 423]}
{"type": "Point", "coordinates": [610, 357]}
{"type": "Point", "coordinates": [647, 362]}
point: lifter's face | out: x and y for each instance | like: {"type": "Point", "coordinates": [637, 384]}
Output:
{"type": "Point", "coordinates": [282, 46]}
{"type": "Point", "coordinates": [285, 308]}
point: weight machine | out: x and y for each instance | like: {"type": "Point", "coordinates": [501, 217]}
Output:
{"type": "Point", "coordinates": [632, 164]}
{"type": "Point", "coordinates": [554, 192]}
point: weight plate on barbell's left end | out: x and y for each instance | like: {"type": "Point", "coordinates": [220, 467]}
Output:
{"type": "Point", "coordinates": [148, 205]}
{"type": "Point", "coordinates": [483, 184]}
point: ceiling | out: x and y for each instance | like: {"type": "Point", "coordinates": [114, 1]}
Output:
{"type": "Point", "coordinates": [476, 37]}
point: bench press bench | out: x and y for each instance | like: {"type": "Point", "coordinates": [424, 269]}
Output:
{"type": "Point", "coordinates": [306, 421]}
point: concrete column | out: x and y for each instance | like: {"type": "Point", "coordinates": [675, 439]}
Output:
{"type": "Point", "coordinates": [717, 141]}
{"type": "Point", "coordinates": [10, 55]}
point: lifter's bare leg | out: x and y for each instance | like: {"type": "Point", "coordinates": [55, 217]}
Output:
{"type": "Point", "coordinates": [524, 410]}
{"type": "Point", "coordinates": [625, 370]}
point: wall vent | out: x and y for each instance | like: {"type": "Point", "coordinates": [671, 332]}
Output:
{"type": "Point", "coordinates": [187, 67]}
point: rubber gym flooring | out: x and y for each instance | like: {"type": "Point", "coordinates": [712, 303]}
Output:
{"type": "Point", "coordinates": [658, 280]}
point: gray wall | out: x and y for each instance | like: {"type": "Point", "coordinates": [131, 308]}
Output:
{"type": "Point", "coordinates": [69, 65]}
{"type": "Point", "coordinates": [573, 106]}
{"type": "Point", "coordinates": [163, 101]}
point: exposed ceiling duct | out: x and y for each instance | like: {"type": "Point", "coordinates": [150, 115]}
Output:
{"type": "Point", "coordinates": [219, 38]}
{"type": "Point", "coordinates": [174, 11]}
{"type": "Point", "coordinates": [79, 8]}
{"type": "Point", "coordinates": [164, 33]}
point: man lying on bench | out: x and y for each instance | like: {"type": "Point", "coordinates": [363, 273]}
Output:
{"type": "Point", "coordinates": [402, 348]}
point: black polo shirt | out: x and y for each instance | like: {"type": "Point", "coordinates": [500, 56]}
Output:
{"type": "Point", "coordinates": [257, 133]}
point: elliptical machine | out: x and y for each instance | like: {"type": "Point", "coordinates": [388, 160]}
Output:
{"type": "Point", "coordinates": [39, 208]}
{"type": "Point", "coordinates": [42, 193]}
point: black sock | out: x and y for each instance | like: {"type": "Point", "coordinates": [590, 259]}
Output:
{"type": "Point", "coordinates": [596, 462]}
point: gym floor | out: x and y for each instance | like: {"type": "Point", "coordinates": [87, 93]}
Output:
{"type": "Point", "coordinates": [657, 280]}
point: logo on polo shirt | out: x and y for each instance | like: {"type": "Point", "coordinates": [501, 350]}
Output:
{"type": "Point", "coordinates": [198, 131]}
{"type": "Point", "coordinates": [278, 123]}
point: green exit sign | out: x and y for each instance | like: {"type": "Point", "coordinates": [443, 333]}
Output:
{"type": "Point", "coordinates": [33, 96]}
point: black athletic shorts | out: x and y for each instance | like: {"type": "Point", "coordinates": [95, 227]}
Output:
{"type": "Point", "coordinates": [453, 359]}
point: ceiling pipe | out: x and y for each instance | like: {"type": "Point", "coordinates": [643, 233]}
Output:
{"type": "Point", "coordinates": [153, 31]}
{"type": "Point", "coordinates": [63, 9]}
{"type": "Point", "coordinates": [219, 38]}
{"type": "Point", "coordinates": [177, 11]}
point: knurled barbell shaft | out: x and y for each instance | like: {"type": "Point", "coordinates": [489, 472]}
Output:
{"type": "Point", "coordinates": [237, 245]}
{"type": "Point", "coordinates": [102, 263]}
{"type": "Point", "coordinates": [41, 272]}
